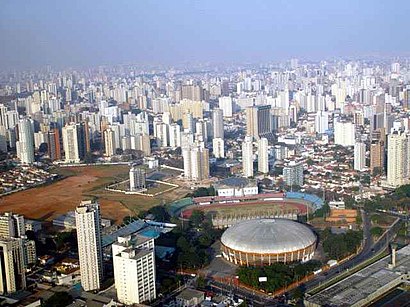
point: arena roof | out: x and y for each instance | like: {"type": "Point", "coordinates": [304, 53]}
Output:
{"type": "Point", "coordinates": [268, 236]}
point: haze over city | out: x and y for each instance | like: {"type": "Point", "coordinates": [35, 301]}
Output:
{"type": "Point", "coordinates": [86, 33]}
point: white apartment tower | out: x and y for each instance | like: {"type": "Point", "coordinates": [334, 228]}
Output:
{"type": "Point", "coordinates": [344, 133]}
{"type": "Point", "coordinates": [263, 156]}
{"type": "Point", "coordinates": [12, 268]}
{"type": "Point", "coordinates": [321, 122]}
{"type": "Point", "coordinates": [247, 157]}
{"type": "Point", "coordinates": [397, 158]}
{"type": "Point", "coordinates": [25, 144]}
{"type": "Point", "coordinates": [70, 143]}
{"type": "Point", "coordinates": [88, 224]}
{"type": "Point", "coordinates": [174, 135]}
{"type": "Point", "coordinates": [109, 142]}
{"type": "Point", "coordinates": [196, 162]}
{"type": "Point", "coordinates": [137, 179]}
{"type": "Point", "coordinates": [359, 156]}
{"type": "Point", "coordinates": [134, 269]}
{"type": "Point", "coordinates": [226, 105]}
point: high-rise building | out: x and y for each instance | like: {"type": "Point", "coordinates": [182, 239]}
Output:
{"type": "Point", "coordinates": [109, 142]}
{"type": "Point", "coordinates": [247, 157]}
{"type": "Point", "coordinates": [377, 157]}
{"type": "Point", "coordinates": [74, 142]}
{"type": "Point", "coordinates": [344, 133]}
{"type": "Point", "coordinates": [263, 156]}
{"type": "Point", "coordinates": [12, 225]}
{"type": "Point", "coordinates": [293, 174]}
{"type": "Point", "coordinates": [218, 123]}
{"type": "Point", "coordinates": [196, 162]}
{"type": "Point", "coordinates": [141, 142]}
{"type": "Point", "coordinates": [321, 122]}
{"type": "Point", "coordinates": [88, 224]}
{"type": "Point", "coordinates": [54, 147]}
{"type": "Point", "coordinates": [359, 156]}
{"type": "Point", "coordinates": [174, 135]}
{"type": "Point", "coordinates": [188, 122]}
{"type": "Point", "coordinates": [12, 267]}
{"type": "Point", "coordinates": [259, 121]}
{"type": "Point", "coordinates": [218, 146]}
{"type": "Point", "coordinates": [397, 158]}
{"type": "Point", "coordinates": [137, 179]}
{"type": "Point", "coordinates": [226, 105]}
{"type": "Point", "coordinates": [25, 143]}
{"type": "Point", "coordinates": [134, 269]}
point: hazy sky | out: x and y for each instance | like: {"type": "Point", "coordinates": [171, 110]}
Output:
{"type": "Point", "coordinates": [72, 33]}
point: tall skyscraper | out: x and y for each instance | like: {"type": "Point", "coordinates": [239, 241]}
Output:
{"type": "Point", "coordinates": [12, 225]}
{"type": "Point", "coordinates": [25, 143]}
{"type": "Point", "coordinates": [74, 142]}
{"type": "Point", "coordinates": [54, 147]}
{"type": "Point", "coordinates": [88, 224]}
{"type": "Point", "coordinates": [359, 156]}
{"type": "Point", "coordinates": [109, 142]}
{"type": "Point", "coordinates": [293, 174]}
{"type": "Point", "coordinates": [397, 158]}
{"type": "Point", "coordinates": [263, 157]}
{"type": "Point", "coordinates": [196, 162]}
{"type": "Point", "coordinates": [137, 178]}
{"type": "Point", "coordinates": [247, 157]}
{"type": "Point", "coordinates": [134, 269]}
{"type": "Point", "coordinates": [218, 123]}
{"type": "Point", "coordinates": [344, 133]}
{"type": "Point", "coordinates": [258, 121]}
{"type": "Point", "coordinates": [377, 157]}
{"type": "Point", "coordinates": [174, 135]}
{"type": "Point", "coordinates": [12, 268]}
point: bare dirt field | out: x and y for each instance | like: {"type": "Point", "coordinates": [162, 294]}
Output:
{"type": "Point", "coordinates": [47, 202]}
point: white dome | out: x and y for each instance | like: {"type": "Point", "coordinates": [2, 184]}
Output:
{"type": "Point", "coordinates": [268, 236]}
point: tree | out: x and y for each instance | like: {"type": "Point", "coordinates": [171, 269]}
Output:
{"type": "Point", "coordinates": [196, 219]}
{"type": "Point", "coordinates": [88, 158]}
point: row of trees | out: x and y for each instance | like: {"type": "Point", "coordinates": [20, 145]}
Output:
{"type": "Point", "coordinates": [278, 275]}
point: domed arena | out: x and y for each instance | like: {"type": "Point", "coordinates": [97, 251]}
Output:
{"type": "Point", "coordinates": [265, 241]}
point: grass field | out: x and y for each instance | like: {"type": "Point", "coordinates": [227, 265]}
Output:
{"type": "Point", "coordinates": [47, 202]}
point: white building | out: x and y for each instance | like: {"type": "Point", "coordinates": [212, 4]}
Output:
{"type": "Point", "coordinates": [134, 269]}
{"type": "Point", "coordinates": [109, 142]}
{"type": "Point", "coordinates": [174, 135]}
{"type": "Point", "coordinates": [137, 179]}
{"type": "Point", "coordinates": [293, 174]}
{"type": "Point", "coordinates": [70, 143]}
{"type": "Point", "coordinates": [397, 158]}
{"type": "Point", "coordinates": [247, 157]}
{"type": "Point", "coordinates": [344, 133]}
{"type": "Point", "coordinates": [321, 122]}
{"type": "Point", "coordinates": [25, 144]}
{"type": "Point", "coordinates": [226, 104]}
{"type": "Point", "coordinates": [12, 266]}
{"type": "Point", "coordinates": [88, 224]}
{"type": "Point", "coordinates": [218, 145]}
{"type": "Point", "coordinates": [359, 156]}
{"type": "Point", "coordinates": [263, 156]}
{"type": "Point", "coordinates": [196, 162]}
{"type": "Point", "coordinates": [236, 186]}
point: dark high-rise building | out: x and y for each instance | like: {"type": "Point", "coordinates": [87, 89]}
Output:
{"type": "Point", "coordinates": [54, 147]}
